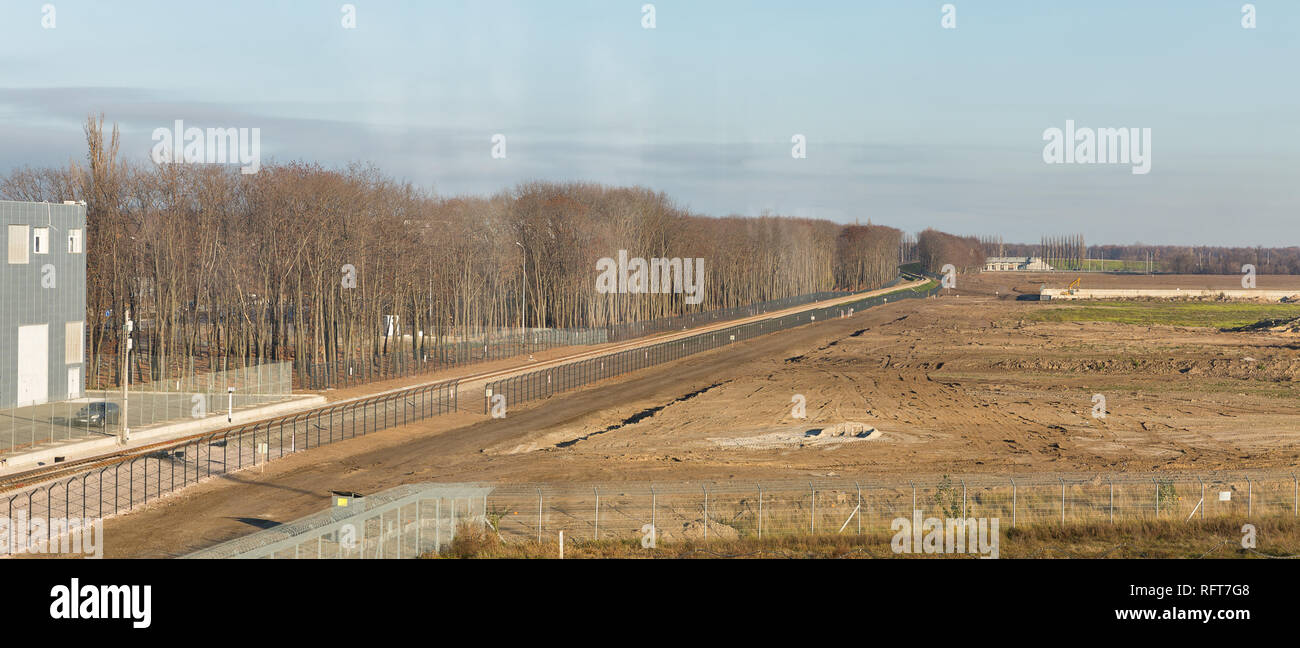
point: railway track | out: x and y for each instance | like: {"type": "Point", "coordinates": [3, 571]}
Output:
{"type": "Point", "coordinates": [20, 480]}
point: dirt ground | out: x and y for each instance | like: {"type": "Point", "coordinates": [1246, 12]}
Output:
{"type": "Point", "coordinates": [953, 385]}
{"type": "Point", "coordinates": [1014, 283]}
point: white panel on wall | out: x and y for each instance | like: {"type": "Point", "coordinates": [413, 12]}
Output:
{"type": "Point", "coordinates": [33, 364]}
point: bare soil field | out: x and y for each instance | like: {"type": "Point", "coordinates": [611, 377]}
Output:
{"type": "Point", "coordinates": [1014, 283]}
{"type": "Point", "coordinates": [955, 385]}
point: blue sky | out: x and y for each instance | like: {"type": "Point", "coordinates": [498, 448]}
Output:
{"type": "Point", "coordinates": [907, 123]}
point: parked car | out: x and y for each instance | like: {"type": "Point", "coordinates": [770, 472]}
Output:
{"type": "Point", "coordinates": [97, 414]}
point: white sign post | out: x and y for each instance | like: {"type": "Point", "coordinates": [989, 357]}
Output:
{"type": "Point", "coordinates": [126, 382]}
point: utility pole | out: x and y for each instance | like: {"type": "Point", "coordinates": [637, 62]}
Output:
{"type": "Point", "coordinates": [523, 301]}
{"type": "Point", "coordinates": [125, 434]}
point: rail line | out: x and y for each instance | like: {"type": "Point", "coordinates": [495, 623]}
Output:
{"type": "Point", "coordinates": [17, 481]}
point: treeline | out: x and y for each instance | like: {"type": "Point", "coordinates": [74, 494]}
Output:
{"type": "Point", "coordinates": [936, 249]}
{"type": "Point", "coordinates": [867, 256]}
{"type": "Point", "coordinates": [1205, 259]}
{"type": "Point", "coordinates": [1167, 258]}
{"type": "Point", "coordinates": [1063, 251]}
{"type": "Point", "coordinates": [306, 263]}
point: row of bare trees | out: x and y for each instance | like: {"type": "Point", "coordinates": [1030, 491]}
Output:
{"type": "Point", "coordinates": [936, 249]}
{"type": "Point", "coordinates": [867, 256]}
{"type": "Point", "coordinates": [306, 263]}
{"type": "Point", "coordinates": [1062, 252]}
{"type": "Point", "coordinates": [1205, 259]}
{"type": "Point", "coordinates": [1163, 258]}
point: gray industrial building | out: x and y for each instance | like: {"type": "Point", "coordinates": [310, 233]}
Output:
{"type": "Point", "coordinates": [42, 302]}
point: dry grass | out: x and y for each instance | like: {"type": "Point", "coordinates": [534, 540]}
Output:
{"type": "Point", "coordinates": [1221, 538]}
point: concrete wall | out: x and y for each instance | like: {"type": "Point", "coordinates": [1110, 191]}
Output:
{"type": "Point", "coordinates": [49, 288]}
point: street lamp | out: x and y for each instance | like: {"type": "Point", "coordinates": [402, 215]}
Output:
{"type": "Point", "coordinates": [230, 403]}
{"type": "Point", "coordinates": [523, 300]}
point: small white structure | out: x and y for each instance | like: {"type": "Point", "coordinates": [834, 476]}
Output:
{"type": "Point", "coordinates": [1015, 264]}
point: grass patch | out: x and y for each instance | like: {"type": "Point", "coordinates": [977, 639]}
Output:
{"type": "Point", "coordinates": [1164, 313]}
{"type": "Point", "coordinates": [1214, 538]}
{"type": "Point", "coordinates": [1105, 265]}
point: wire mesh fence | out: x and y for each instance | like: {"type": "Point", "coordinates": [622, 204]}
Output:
{"type": "Point", "coordinates": [187, 393]}
{"type": "Point", "coordinates": [421, 358]}
{"type": "Point", "coordinates": [729, 510]}
{"type": "Point", "coordinates": [423, 519]}
{"type": "Point", "coordinates": [117, 486]}
{"type": "Point", "coordinates": [483, 348]}
{"type": "Point", "coordinates": [403, 522]}
{"type": "Point", "coordinates": [547, 382]}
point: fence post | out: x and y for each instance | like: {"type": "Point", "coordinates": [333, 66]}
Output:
{"type": "Point", "coordinates": [653, 529]}
{"type": "Point", "coordinates": [860, 511]}
{"type": "Point", "coordinates": [1198, 478]}
{"type": "Point", "coordinates": [963, 499]}
{"type": "Point", "coordinates": [1062, 500]}
{"type": "Point", "coordinates": [1153, 481]}
{"type": "Point", "coordinates": [760, 510]}
{"type": "Point", "coordinates": [1013, 502]}
{"type": "Point", "coordinates": [813, 521]}
{"type": "Point", "coordinates": [1250, 496]}
{"type": "Point", "coordinates": [539, 516]}
{"type": "Point", "coordinates": [596, 535]}
{"type": "Point", "coordinates": [1112, 499]}
{"type": "Point", "coordinates": [706, 512]}
{"type": "Point", "coordinates": [1295, 495]}
{"type": "Point", "coordinates": [913, 496]}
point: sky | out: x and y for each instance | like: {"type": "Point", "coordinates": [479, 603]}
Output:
{"type": "Point", "coordinates": [907, 123]}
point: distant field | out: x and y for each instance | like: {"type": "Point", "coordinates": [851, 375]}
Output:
{"type": "Point", "coordinates": [1218, 315]}
{"type": "Point", "coordinates": [1108, 265]}
{"type": "Point", "coordinates": [1033, 281]}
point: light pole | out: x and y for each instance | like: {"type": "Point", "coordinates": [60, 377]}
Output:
{"type": "Point", "coordinates": [523, 300]}
{"type": "Point", "coordinates": [230, 403]}
{"type": "Point", "coordinates": [125, 434]}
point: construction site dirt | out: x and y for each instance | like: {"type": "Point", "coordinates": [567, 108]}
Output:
{"type": "Point", "coordinates": [967, 383]}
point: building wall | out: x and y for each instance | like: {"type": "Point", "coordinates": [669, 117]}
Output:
{"type": "Point", "coordinates": [1025, 264]}
{"type": "Point", "coordinates": [48, 289]}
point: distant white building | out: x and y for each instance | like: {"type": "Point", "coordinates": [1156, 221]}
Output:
{"type": "Point", "coordinates": [1015, 264]}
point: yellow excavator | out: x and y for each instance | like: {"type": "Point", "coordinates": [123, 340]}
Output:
{"type": "Point", "coordinates": [1073, 285]}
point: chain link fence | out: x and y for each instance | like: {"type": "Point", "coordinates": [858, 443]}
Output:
{"type": "Point", "coordinates": [187, 393]}
{"type": "Point", "coordinates": [731, 510]}
{"type": "Point", "coordinates": [404, 522]}
{"type": "Point", "coordinates": [546, 382]}
{"type": "Point", "coordinates": [421, 519]}
{"type": "Point", "coordinates": [509, 343]}
{"type": "Point", "coordinates": [117, 486]}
